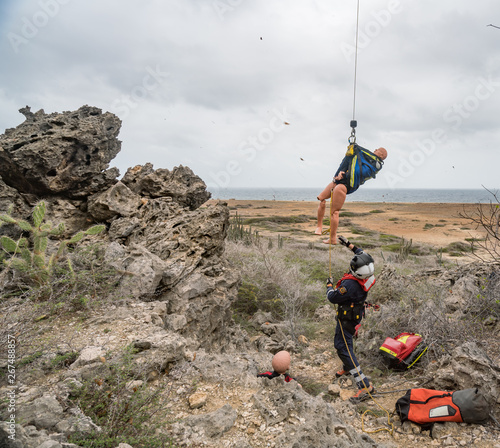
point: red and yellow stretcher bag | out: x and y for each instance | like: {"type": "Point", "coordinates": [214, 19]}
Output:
{"type": "Point", "coordinates": [425, 406]}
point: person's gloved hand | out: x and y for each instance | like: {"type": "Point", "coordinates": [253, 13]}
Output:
{"type": "Point", "coordinates": [329, 282]}
{"type": "Point", "coordinates": [344, 241]}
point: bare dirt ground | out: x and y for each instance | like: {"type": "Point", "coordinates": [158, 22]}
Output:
{"type": "Point", "coordinates": [437, 224]}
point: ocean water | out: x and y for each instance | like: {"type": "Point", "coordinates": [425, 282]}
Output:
{"type": "Point", "coordinates": [362, 195]}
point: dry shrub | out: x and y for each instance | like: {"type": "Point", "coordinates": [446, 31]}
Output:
{"type": "Point", "coordinates": [486, 218]}
{"type": "Point", "coordinates": [420, 307]}
{"type": "Point", "coordinates": [289, 282]}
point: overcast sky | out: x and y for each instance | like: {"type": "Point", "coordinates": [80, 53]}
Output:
{"type": "Point", "coordinates": [259, 93]}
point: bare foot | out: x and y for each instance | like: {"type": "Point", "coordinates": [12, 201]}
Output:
{"type": "Point", "coordinates": [318, 231]}
{"type": "Point", "coordinates": [329, 242]}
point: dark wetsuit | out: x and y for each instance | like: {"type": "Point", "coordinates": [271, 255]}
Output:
{"type": "Point", "coordinates": [350, 294]}
{"type": "Point", "coordinates": [344, 166]}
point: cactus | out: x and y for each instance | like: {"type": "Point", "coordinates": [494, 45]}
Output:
{"type": "Point", "coordinates": [280, 241]}
{"type": "Point", "coordinates": [33, 259]}
{"type": "Point", "coordinates": [404, 249]}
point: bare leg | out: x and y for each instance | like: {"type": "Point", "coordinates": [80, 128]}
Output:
{"type": "Point", "coordinates": [323, 196]}
{"type": "Point", "coordinates": [339, 195]}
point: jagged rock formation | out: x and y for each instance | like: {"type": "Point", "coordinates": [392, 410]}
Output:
{"type": "Point", "coordinates": [61, 153]}
{"type": "Point", "coordinates": [179, 184]}
{"type": "Point", "coordinates": [468, 366]}
{"type": "Point", "coordinates": [166, 246]}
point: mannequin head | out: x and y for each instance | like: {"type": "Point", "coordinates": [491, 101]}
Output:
{"type": "Point", "coordinates": [381, 153]}
{"type": "Point", "coordinates": [281, 361]}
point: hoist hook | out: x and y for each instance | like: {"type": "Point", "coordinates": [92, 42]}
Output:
{"type": "Point", "coordinates": [352, 138]}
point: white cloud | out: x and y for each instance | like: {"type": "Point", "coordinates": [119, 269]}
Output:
{"type": "Point", "coordinates": [222, 74]}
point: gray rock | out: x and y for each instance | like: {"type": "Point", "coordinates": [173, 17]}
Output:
{"type": "Point", "coordinates": [121, 228]}
{"type": "Point", "coordinates": [50, 444]}
{"type": "Point", "coordinates": [88, 355]}
{"type": "Point", "coordinates": [212, 424]}
{"type": "Point", "coordinates": [140, 346]}
{"type": "Point", "coordinates": [229, 368]}
{"type": "Point", "coordinates": [142, 270]}
{"type": "Point", "coordinates": [175, 322]}
{"type": "Point", "coordinates": [77, 423]}
{"type": "Point", "coordinates": [66, 387]}
{"type": "Point", "coordinates": [469, 367]}
{"type": "Point", "coordinates": [308, 421]}
{"type": "Point", "coordinates": [117, 200]}
{"type": "Point", "coordinates": [166, 348]}
{"type": "Point", "coordinates": [68, 211]}
{"type": "Point", "coordinates": [61, 153]}
{"type": "Point", "coordinates": [12, 435]}
{"type": "Point", "coordinates": [181, 184]}
{"type": "Point", "coordinates": [44, 412]}
{"type": "Point", "coordinates": [440, 430]}
{"type": "Point", "coordinates": [260, 318]}
{"type": "Point", "coordinates": [11, 197]}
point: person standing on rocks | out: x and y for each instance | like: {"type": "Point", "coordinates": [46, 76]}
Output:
{"type": "Point", "coordinates": [350, 293]}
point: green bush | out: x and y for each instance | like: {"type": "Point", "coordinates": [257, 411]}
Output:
{"type": "Point", "coordinates": [278, 219]}
{"type": "Point", "coordinates": [247, 300]}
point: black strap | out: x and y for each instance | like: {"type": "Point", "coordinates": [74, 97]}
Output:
{"type": "Point", "coordinates": [431, 398]}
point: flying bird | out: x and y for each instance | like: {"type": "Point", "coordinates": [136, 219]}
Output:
{"type": "Point", "coordinates": [494, 26]}
{"type": "Point", "coordinates": [302, 159]}
{"type": "Point", "coordinates": [286, 122]}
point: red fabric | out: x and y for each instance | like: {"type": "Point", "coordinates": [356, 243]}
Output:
{"type": "Point", "coordinates": [362, 282]}
{"type": "Point", "coordinates": [424, 401]}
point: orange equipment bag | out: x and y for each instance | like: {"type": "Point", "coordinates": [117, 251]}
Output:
{"type": "Point", "coordinates": [424, 406]}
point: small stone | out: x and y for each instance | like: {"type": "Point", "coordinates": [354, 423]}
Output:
{"type": "Point", "coordinates": [334, 389]}
{"type": "Point", "coordinates": [50, 444]}
{"type": "Point", "coordinates": [197, 400]}
{"type": "Point", "coordinates": [134, 385]}
{"type": "Point", "coordinates": [141, 345]}
{"type": "Point", "coordinates": [345, 394]}
{"type": "Point", "coordinates": [303, 340]}
{"type": "Point", "coordinates": [153, 375]}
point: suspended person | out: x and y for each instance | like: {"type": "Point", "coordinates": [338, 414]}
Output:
{"type": "Point", "coordinates": [356, 168]}
{"type": "Point", "coordinates": [350, 294]}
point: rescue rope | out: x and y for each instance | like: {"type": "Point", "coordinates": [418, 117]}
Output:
{"type": "Point", "coordinates": [355, 65]}
{"type": "Point", "coordinates": [354, 123]}
{"type": "Point", "coordinates": [330, 234]}
{"type": "Point", "coordinates": [367, 389]}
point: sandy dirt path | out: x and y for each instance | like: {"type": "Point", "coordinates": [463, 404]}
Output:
{"type": "Point", "coordinates": [437, 224]}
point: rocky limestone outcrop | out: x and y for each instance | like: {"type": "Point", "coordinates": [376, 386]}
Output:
{"type": "Point", "coordinates": [468, 367]}
{"type": "Point", "coordinates": [165, 246]}
{"type": "Point", "coordinates": [179, 184]}
{"type": "Point", "coordinates": [61, 153]}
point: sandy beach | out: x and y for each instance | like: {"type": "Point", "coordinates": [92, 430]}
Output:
{"type": "Point", "coordinates": [436, 224]}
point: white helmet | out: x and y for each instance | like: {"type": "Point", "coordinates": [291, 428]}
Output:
{"type": "Point", "coordinates": [362, 266]}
